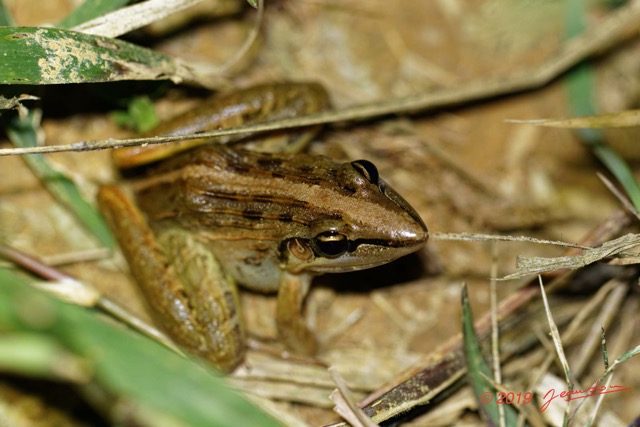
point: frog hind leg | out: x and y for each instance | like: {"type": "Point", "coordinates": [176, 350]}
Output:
{"type": "Point", "coordinates": [186, 291]}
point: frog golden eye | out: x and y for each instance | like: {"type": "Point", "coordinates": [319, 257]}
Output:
{"type": "Point", "coordinates": [330, 244]}
{"type": "Point", "coordinates": [367, 170]}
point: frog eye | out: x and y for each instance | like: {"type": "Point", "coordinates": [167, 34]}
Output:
{"type": "Point", "coordinates": [367, 170]}
{"type": "Point", "coordinates": [330, 244]}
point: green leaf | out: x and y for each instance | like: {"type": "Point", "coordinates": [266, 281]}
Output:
{"type": "Point", "coordinates": [23, 133]}
{"type": "Point", "coordinates": [140, 115]}
{"type": "Point", "coordinates": [478, 371]}
{"type": "Point", "coordinates": [35, 55]}
{"type": "Point", "coordinates": [132, 367]}
{"type": "Point", "coordinates": [91, 9]}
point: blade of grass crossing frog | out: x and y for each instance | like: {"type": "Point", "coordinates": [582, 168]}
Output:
{"type": "Point", "coordinates": [478, 372]}
{"type": "Point", "coordinates": [131, 367]}
{"type": "Point", "coordinates": [91, 9]}
{"type": "Point", "coordinates": [581, 85]}
{"type": "Point", "coordinates": [23, 133]}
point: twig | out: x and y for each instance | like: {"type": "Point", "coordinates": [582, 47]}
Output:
{"type": "Point", "coordinates": [618, 26]}
{"type": "Point", "coordinates": [477, 237]}
{"type": "Point", "coordinates": [619, 195]}
{"type": "Point", "coordinates": [345, 403]}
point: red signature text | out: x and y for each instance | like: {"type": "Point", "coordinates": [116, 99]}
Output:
{"type": "Point", "coordinates": [569, 395]}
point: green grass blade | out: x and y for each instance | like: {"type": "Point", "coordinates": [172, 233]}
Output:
{"type": "Point", "coordinates": [34, 355]}
{"type": "Point", "coordinates": [478, 372]}
{"type": "Point", "coordinates": [89, 10]}
{"type": "Point", "coordinates": [580, 83]}
{"type": "Point", "coordinates": [618, 168]}
{"type": "Point", "coordinates": [23, 133]}
{"type": "Point", "coordinates": [35, 55]}
{"type": "Point", "coordinates": [133, 368]}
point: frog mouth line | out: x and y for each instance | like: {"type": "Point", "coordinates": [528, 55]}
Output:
{"type": "Point", "coordinates": [374, 259]}
{"type": "Point", "coordinates": [400, 243]}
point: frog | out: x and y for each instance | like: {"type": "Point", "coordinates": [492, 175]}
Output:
{"type": "Point", "coordinates": [216, 216]}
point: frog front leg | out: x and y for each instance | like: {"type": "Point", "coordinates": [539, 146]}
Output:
{"type": "Point", "coordinates": [189, 296]}
{"type": "Point", "coordinates": [290, 322]}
